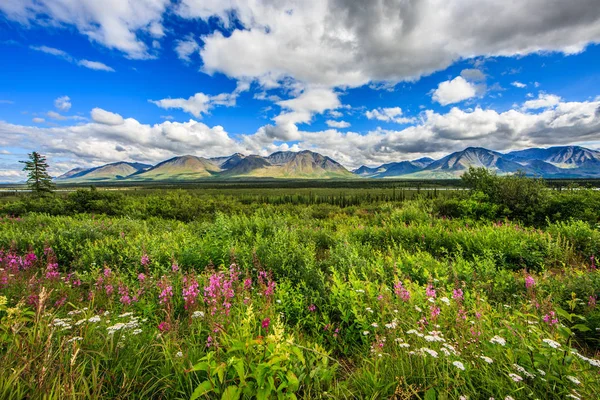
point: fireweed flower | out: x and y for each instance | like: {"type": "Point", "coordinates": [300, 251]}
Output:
{"type": "Point", "coordinates": [430, 291]}
{"type": "Point", "coordinates": [550, 318]}
{"type": "Point", "coordinates": [52, 271]}
{"type": "Point", "coordinates": [141, 277]}
{"type": "Point", "coordinates": [457, 294]}
{"type": "Point", "coordinates": [190, 291]}
{"type": "Point", "coordinates": [163, 326]}
{"type": "Point", "coordinates": [592, 301]}
{"type": "Point", "coordinates": [529, 282]}
{"type": "Point", "coordinates": [401, 291]}
{"type": "Point", "coordinates": [435, 311]}
{"type": "Point", "coordinates": [312, 308]}
{"type": "Point", "coordinates": [174, 267]}
{"type": "Point", "coordinates": [265, 323]}
{"type": "Point", "coordinates": [145, 260]}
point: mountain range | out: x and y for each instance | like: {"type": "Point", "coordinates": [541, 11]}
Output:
{"type": "Point", "coordinates": [553, 162]}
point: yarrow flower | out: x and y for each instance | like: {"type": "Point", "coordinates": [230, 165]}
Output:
{"type": "Point", "coordinates": [551, 343]}
{"type": "Point", "coordinates": [498, 340]}
{"type": "Point", "coordinates": [574, 380]}
{"type": "Point", "coordinates": [515, 377]}
{"type": "Point", "coordinates": [459, 365]}
{"type": "Point", "coordinates": [486, 359]}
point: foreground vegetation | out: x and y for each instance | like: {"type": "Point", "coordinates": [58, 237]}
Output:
{"type": "Point", "coordinates": [479, 294]}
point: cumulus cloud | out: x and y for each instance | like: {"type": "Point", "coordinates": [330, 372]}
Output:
{"type": "Point", "coordinates": [104, 117]}
{"type": "Point", "coordinates": [454, 91]}
{"type": "Point", "coordinates": [543, 101]}
{"type": "Point", "coordinates": [519, 85]}
{"type": "Point", "coordinates": [116, 24]}
{"type": "Point", "coordinates": [63, 103]}
{"type": "Point", "coordinates": [337, 124]}
{"type": "Point", "coordinates": [111, 137]}
{"type": "Point", "coordinates": [186, 47]}
{"type": "Point", "coordinates": [350, 43]}
{"type": "Point", "coordinates": [392, 114]}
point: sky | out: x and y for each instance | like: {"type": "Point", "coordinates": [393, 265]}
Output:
{"type": "Point", "coordinates": [87, 82]}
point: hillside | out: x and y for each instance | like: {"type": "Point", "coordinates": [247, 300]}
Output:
{"type": "Point", "coordinates": [179, 168]}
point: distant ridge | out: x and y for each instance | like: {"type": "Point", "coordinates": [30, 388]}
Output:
{"type": "Point", "coordinates": [552, 162]}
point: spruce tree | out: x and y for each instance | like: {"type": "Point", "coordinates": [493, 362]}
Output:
{"type": "Point", "coordinates": [38, 179]}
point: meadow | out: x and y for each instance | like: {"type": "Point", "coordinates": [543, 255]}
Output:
{"type": "Point", "coordinates": [302, 292]}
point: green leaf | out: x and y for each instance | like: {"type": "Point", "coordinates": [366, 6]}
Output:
{"type": "Point", "coordinates": [430, 394]}
{"type": "Point", "coordinates": [202, 389]}
{"type": "Point", "coordinates": [292, 381]}
{"type": "Point", "coordinates": [231, 393]}
{"type": "Point", "coordinates": [201, 366]}
{"type": "Point", "coordinates": [563, 313]}
{"type": "Point", "coordinates": [580, 328]}
{"type": "Point", "coordinates": [239, 368]}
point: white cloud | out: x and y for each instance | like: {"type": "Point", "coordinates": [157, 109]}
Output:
{"type": "Point", "coordinates": [518, 84]}
{"type": "Point", "coordinates": [454, 91]}
{"type": "Point", "coordinates": [346, 43]}
{"type": "Point", "coordinates": [337, 124]}
{"type": "Point", "coordinates": [59, 117]}
{"type": "Point", "coordinates": [63, 103]}
{"type": "Point", "coordinates": [543, 101]}
{"type": "Point", "coordinates": [112, 138]}
{"type": "Point", "coordinates": [392, 114]}
{"type": "Point", "coordinates": [198, 104]}
{"type": "Point", "coordinates": [116, 24]}
{"type": "Point", "coordinates": [185, 48]}
{"type": "Point", "coordinates": [38, 120]}
{"type": "Point", "coordinates": [95, 65]}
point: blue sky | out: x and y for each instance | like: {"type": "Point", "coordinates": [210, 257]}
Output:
{"type": "Point", "coordinates": [364, 83]}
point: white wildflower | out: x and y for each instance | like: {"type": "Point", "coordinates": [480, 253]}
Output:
{"type": "Point", "coordinates": [573, 379]}
{"type": "Point", "coordinates": [404, 345]}
{"type": "Point", "coordinates": [179, 354]}
{"type": "Point", "coordinates": [125, 315]}
{"type": "Point", "coordinates": [95, 318]}
{"type": "Point", "coordinates": [374, 325]}
{"type": "Point", "coordinates": [445, 300]}
{"type": "Point", "coordinates": [366, 333]}
{"type": "Point", "coordinates": [74, 339]}
{"type": "Point", "coordinates": [445, 351]}
{"type": "Point", "coordinates": [198, 314]}
{"type": "Point", "coordinates": [515, 377]}
{"type": "Point", "coordinates": [499, 340]}
{"type": "Point", "coordinates": [432, 353]}
{"type": "Point", "coordinates": [81, 321]}
{"type": "Point", "coordinates": [551, 343]}
{"type": "Point", "coordinates": [418, 309]}
{"type": "Point", "coordinates": [486, 359]}
{"type": "Point", "coordinates": [542, 373]}
{"type": "Point", "coordinates": [459, 365]}
{"type": "Point", "coordinates": [369, 310]}
{"type": "Point", "coordinates": [136, 332]}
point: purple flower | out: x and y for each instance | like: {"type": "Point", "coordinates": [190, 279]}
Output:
{"type": "Point", "coordinates": [401, 291]}
{"type": "Point", "coordinates": [141, 277]}
{"type": "Point", "coordinates": [145, 260]}
{"type": "Point", "coordinates": [265, 323]}
{"type": "Point", "coordinates": [312, 308]}
{"type": "Point", "coordinates": [164, 326]}
{"type": "Point", "coordinates": [430, 291]}
{"type": "Point", "coordinates": [457, 294]}
{"type": "Point", "coordinates": [435, 311]}
{"type": "Point", "coordinates": [529, 282]}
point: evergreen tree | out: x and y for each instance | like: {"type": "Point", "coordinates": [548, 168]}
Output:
{"type": "Point", "coordinates": [38, 179]}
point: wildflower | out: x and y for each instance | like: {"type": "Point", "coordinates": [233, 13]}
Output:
{"type": "Point", "coordinates": [365, 333]}
{"type": "Point", "coordinates": [209, 341]}
{"type": "Point", "coordinates": [163, 326]}
{"type": "Point", "coordinates": [136, 332]}
{"type": "Point", "coordinates": [542, 373]}
{"type": "Point", "coordinates": [523, 371]}
{"type": "Point", "coordinates": [515, 377]}
{"type": "Point", "coordinates": [95, 318]}
{"type": "Point", "coordinates": [486, 359]}
{"type": "Point", "coordinates": [52, 271]}
{"type": "Point", "coordinates": [529, 282]}
{"type": "Point", "coordinates": [430, 291]}
{"type": "Point", "coordinates": [457, 294]}
{"type": "Point", "coordinates": [592, 301]}
{"type": "Point", "coordinates": [573, 379]}
{"type": "Point", "coordinates": [190, 291]}
{"type": "Point", "coordinates": [380, 297]}
{"type": "Point", "coordinates": [198, 314]}
{"type": "Point", "coordinates": [445, 300]}
{"type": "Point", "coordinates": [432, 353]}
{"type": "Point", "coordinates": [435, 311]}
{"type": "Point", "coordinates": [141, 277]}
{"type": "Point", "coordinates": [247, 283]}
{"type": "Point", "coordinates": [498, 340]}
{"type": "Point", "coordinates": [312, 308]}
{"type": "Point", "coordinates": [74, 339]}
{"type": "Point", "coordinates": [174, 267]}
{"type": "Point", "coordinates": [550, 318]}
{"type": "Point", "coordinates": [179, 354]}
{"type": "Point", "coordinates": [369, 309]}
{"type": "Point", "coordinates": [418, 309]}
{"type": "Point", "coordinates": [374, 325]}
{"type": "Point", "coordinates": [459, 365]}
{"type": "Point", "coordinates": [401, 291]}
{"type": "Point", "coordinates": [551, 343]}
{"type": "Point", "coordinates": [145, 260]}
{"type": "Point", "coordinates": [265, 323]}
{"type": "Point", "coordinates": [508, 398]}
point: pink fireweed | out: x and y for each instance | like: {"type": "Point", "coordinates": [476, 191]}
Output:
{"type": "Point", "coordinates": [164, 326]}
{"type": "Point", "coordinates": [218, 293]}
{"type": "Point", "coordinates": [141, 277]}
{"type": "Point", "coordinates": [145, 260]}
{"type": "Point", "coordinates": [550, 318]}
{"type": "Point", "coordinates": [457, 294]}
{"type": "Point", "coordinates": [124, 293]}
{"type": "Point", "coordinates": [312, 308]}
{"type": "Point", "coordinates": [593, 260]}
{"type": "Point", "coordinates": [430, 291]}
{"type": "Point", "coordinates": [107, 272]}
{"type": "Point", "coordinates": [174, 267]}
{"type": "Point", "coordinates": [401, 291]}
{"type": "Point", "coordinates": [190, 291]}
{"type": "Point", "coordinates": [592, 301]}
{"type": "Point", "coordinates": [529, 282]}
{"type": "Point", "coordinates": [52, 271]}
{"type": "Point", "coordinates": [166, 290]}
{"type": "Point", "coordinates": [247, 283]}
{"type": "Point", "coordinates": [265, 323]}
{"type": "Point", "coordinates": [435, 311]}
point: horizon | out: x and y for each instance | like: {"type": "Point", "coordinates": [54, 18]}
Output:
{"type": "Point", "coordinates": [363, 85]}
